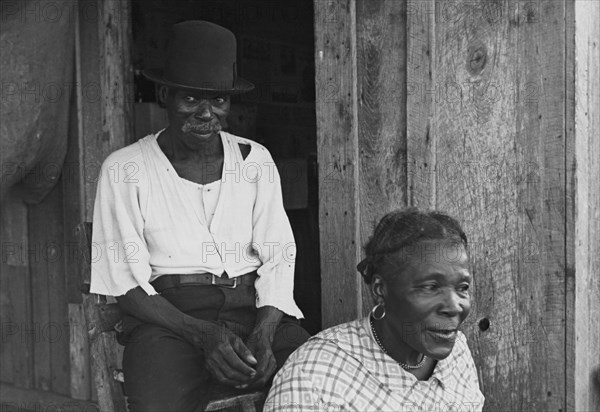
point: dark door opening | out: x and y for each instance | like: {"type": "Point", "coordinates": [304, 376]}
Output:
{"type": "Point", "coordinates": [276, 53]}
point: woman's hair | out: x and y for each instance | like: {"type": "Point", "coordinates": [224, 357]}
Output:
{"type": "Point", "coordinates": [404, 228]}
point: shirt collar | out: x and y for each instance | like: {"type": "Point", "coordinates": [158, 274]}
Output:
{"type": "Point", "coordinates": [442, 371]}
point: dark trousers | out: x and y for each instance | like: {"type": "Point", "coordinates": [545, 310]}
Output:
{"type": "Point", "coordinates": [163, 372]}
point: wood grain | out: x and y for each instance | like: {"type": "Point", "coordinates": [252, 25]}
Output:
{"type": "Point", "coordinates": [381, 74]}
{"type": "Point", "coordinates": [102, 346]}
{"type": "Point", "coordinates": [79, 354]}
{"type": "Point", "coordinates": [10, 253]}
{"type": "Point", "coordinates": [40, 236]}
{"type": "Point", "coordinates": [15, 293]}
{"type": "Point", "coordinates": [105, 71]}
{"type": "Point", "coordinates": [335, 65]}
{"type": "Point", "coordinates": [19, 399]}
{"type": "Point", "coordinates": [420, 104]}
{"type": "Point", "coordinates": [105, 118]}
{"type": "Point", "coordinates": [540, 150]}
{"type": "Point", "coordinates": [583, 206]}
{"type": "Point", "coordinates": [501, 125]}
{"type": "Point", "coordinates": [499, 118]}
{"type": "Point", "coordinates": [104, 359]}
{"type": "Point", "coordinates": [58, 330]}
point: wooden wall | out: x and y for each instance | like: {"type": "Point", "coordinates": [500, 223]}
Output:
{"type": "Point", "coordinates": [583, 206]}
{"type": "Point", "coordinates": [487, 110]}
{"type": "Point", "coordinates": [44, 355]}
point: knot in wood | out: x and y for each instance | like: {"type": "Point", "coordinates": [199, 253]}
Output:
{"type": "Point", "coordinates": [476, 57]}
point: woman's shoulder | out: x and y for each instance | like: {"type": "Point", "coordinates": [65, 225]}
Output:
{"type": "Point", "coordinates": [341, 332]}
{"type": "Point", "coordinates": [336, 340]}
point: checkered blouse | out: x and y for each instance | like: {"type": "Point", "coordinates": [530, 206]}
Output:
{"type": "Point", "coordinates": [343, 369]}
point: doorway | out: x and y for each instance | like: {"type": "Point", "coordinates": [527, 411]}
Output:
{"type": "Point", "coordinates": [276, 53]}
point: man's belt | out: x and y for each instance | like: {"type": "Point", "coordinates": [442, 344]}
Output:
{"type": "Point", "coordinates": [175, 281]}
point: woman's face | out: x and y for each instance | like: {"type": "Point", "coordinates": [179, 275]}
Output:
{"type": "Point", "coordinates": [427, 297]}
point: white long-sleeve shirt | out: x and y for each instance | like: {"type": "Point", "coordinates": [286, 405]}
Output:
{"type": "Point", "coordinates": [147, 224]}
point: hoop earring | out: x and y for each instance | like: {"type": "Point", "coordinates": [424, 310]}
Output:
{"type": "Point", "coordinates": [379, 305]}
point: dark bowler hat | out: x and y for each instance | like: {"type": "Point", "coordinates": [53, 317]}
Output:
{"type": "Point", "coordinates": [201, 56]}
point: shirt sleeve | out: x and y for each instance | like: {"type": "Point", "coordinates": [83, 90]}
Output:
{"type": "Point", "coordinates": [120, 257]}
{"type": "Point", "coordinates": [274, 242]}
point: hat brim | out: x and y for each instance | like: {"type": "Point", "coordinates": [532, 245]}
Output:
{"type": "Point", "coordinates": [157, 75]}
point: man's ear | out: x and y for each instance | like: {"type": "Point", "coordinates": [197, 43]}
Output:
{"type": "Point", "coordinates": [379, 288]}
{"type": "Point", "coordinates": [163, 93]}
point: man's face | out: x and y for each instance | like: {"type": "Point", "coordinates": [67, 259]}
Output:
{"type": "Point", "coordinates": [196, 117]}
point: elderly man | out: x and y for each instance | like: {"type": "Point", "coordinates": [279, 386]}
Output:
{"type": "Point", "coordinates": [193, 239]}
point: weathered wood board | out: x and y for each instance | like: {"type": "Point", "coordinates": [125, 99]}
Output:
{"type": "Point", "coordinates": [50, 323]}
{"type": "Point", "coordinates": [104, 112]}
{"type": "Point", "coordinates": [381, 74]}
{"type": "Point", "coordinates": [420, 106]}
{"type": "Point", "coordinates": [337, 139]}
{"type": "Point", "coordinates": [499, 130]}
{"type": "Point", "coordinates": [500, 126]}
{"type": "Point", "coordinates": [583, 206]}
{"type": "Point", "coordinates": [15, 294]}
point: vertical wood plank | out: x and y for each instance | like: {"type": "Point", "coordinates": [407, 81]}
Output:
{"type": "Point", "coordinates": [106, 74]}
{"type": "Point", "coordinates": [472, 133]}
{"type": "Point", "coordinates": [6, 325]}
{"type": "Point", "coordinates": [40, 224]}
{"type": "Point", "coordinates": [104, 107]}
{"type": "Point", "coordinates": [336, 107]}
{"type": "Point", "coordinates": [116, 74]}
{"type": "Point", "coordinates": [17, 286]}
{"type": "Point", "coordinates": [540, 149]}
{"type": "Point", "coordinates": [73, 178]}
{"type": "Point", "coordinates": [17, 345]}
{"type": "Point", "coordinates": [420, 103]}
{"type": "Point", "coordinates": [103, 346]}
{"type": "Point", "coordinates": [92, 145]}
{"type": "Point", "coordinates": [57, 333]}
{"type": "Point", "coordinates": [79, 354]}
{"type": "Point", "coordinates": [381, 77]}
{"type": "Point", "coordinates": [583, 206]}
{"type": "Point", "coordinates": [10, 249]}
{"type": "Point", "coordinates": [500, 110]}
{"type": "Point", "coordinates": [84, 119]}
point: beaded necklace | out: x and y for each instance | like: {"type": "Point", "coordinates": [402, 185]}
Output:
{"type": "Point", "coordinates": [404, 365]}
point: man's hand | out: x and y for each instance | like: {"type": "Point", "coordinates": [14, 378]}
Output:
{"type": "Point", "coordinates": [260, 343]}
{"type": "Point", "coordinates": [266, 366]}
{"type": "Point", "coordinates": [227, 358]}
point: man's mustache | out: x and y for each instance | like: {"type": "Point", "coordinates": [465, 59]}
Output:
{"type": "Point", "coordinates": [201, 128]}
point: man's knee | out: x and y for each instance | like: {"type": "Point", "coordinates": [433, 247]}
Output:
{"type": "Point", "coordinates": [288, 337]}
{"type": "Point", "coordinates": [290, 334]}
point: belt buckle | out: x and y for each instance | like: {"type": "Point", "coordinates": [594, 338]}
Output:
{"type": "Point", "coordinates": [213, 282]}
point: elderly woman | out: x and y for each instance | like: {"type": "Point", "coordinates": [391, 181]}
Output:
{"type": "Point", "coordinates": [192, 239]}
{"type": "Point", "coordinates": [409, 353]}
